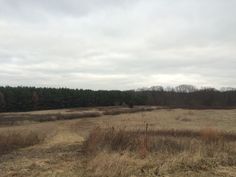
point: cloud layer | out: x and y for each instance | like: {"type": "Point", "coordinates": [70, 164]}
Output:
{"type": "Point", "coordinates": [117, 44]}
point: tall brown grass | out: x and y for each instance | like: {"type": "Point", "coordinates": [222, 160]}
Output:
{"type": "Point", "coordinates": [207, 141]}
{"type": "Point", "coordinates": [120, 152]}
{"type": "Point", "coordinates": [13, 140]}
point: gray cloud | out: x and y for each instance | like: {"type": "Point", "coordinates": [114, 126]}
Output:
{"type": "Point", "coordinates": [122, 44]}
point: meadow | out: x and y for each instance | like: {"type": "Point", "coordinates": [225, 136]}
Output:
{"type": "Point", "coordinates": [118, 142]}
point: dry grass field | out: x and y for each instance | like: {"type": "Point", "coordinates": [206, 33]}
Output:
{"type": "Point", "coordinates": [118, 142]}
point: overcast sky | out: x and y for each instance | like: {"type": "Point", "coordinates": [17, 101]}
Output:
{"type": "Point", "coordinates": [117, 44]}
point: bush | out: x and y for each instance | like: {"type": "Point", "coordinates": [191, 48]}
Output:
{"type": "Point", "coordinates": [210, 134]}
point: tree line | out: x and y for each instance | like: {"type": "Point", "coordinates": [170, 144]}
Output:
{"type": "Point", "coordinates": [31, 98]}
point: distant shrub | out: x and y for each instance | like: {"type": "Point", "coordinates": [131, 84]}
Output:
{"type": "Point", "coordinates": [210, 134]}
{"type": "Point", "coordinates": [117, 111]}
{"type": "Point", "coordinates": [131, 105]}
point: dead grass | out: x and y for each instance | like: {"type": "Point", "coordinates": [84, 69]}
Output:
{"type": "Point", "coordinates": [170, 147]}
{"type": "Point", "coordinates": [208, 141]}
{"type": "Point", "coordinates": [105, 164]}
{"type": "Point", "coordinates": [125, 153]}
{"type": "Point", "coordinates": [185, 119]}
{"type": "Point", "coordinates": [13, 140]}
{"type": "Point", "coordinates": [163, 119]}
{"type": "Point", "coordinates": [113, 165]}
{"type": "Point", "coordinates": [65, 114]}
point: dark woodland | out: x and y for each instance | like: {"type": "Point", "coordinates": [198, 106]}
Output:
{"type": "Point", "coordinates": [30, 98]}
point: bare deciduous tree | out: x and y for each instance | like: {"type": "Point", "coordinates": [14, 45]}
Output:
{"type": "Point", "coordinates": [185, 88]}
